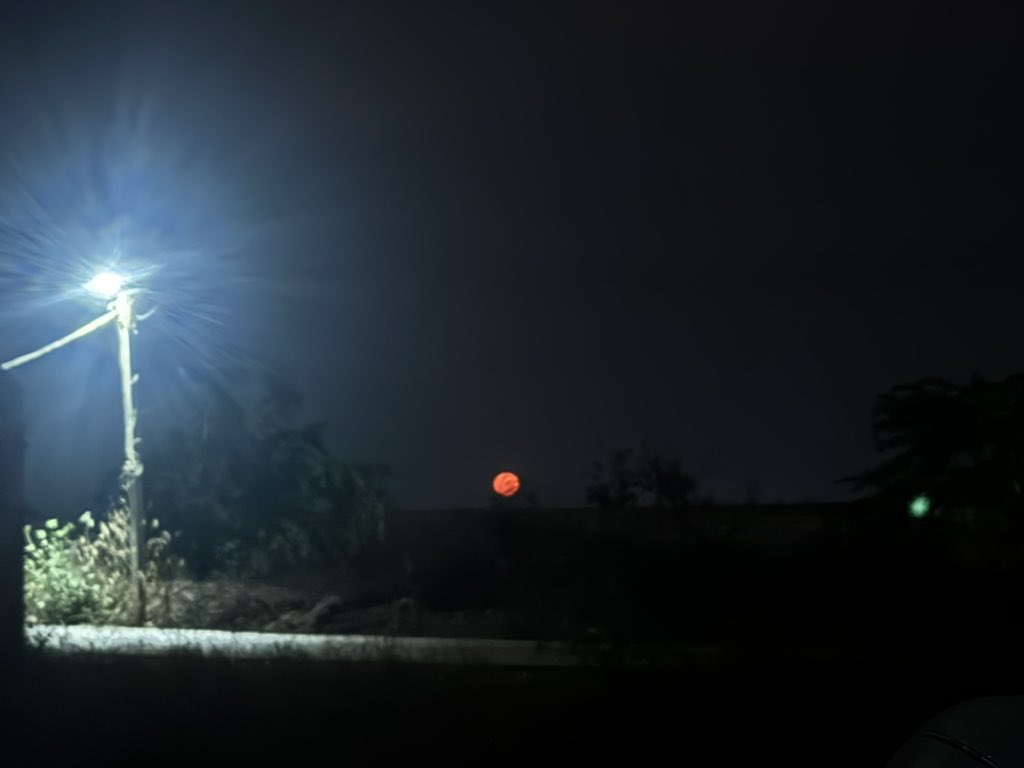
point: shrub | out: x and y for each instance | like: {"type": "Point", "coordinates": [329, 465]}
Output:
{"type": "Point", "coordinates": [82, 573]}
{"type": "Point", "coordinates": [57, 588]}
{"type": "Point", "coordinates": [285, 546]}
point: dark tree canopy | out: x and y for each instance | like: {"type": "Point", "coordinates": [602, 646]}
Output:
{"type": "Point", "coordinates": [628, 480]}
{"type": "Point", "coordinates": [242, 476]}
{"type": "Point", "coordinates": [962, 445]}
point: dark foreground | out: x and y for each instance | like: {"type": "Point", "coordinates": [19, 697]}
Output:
{"type": "Point", "coordinates": [839, 638]}
{"type": "Point", "coordinates": [768, 710]}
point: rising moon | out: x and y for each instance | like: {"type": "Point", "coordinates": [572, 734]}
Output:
{"type": "Point", "coordinates": [506, 484]}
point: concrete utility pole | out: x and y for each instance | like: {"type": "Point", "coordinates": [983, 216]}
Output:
{"type": "Point", "coordinates": [131, 472]}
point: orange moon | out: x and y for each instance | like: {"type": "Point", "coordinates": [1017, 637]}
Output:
{"type": "Point", "coordinates": [506, 484]}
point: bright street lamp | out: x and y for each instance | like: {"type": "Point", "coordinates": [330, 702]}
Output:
{"type": "Point", "coordinates": [106, 285]}
{"type": "Point", "coordinates": [110, 285]}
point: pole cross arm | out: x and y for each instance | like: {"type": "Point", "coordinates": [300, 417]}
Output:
{"type": "Point", "coordinates": [86, 329]}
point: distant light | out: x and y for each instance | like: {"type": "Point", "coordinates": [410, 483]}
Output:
{"type": "Point", "coordinates": [106, 285]}
{"type": "Point", "coordinates": [920, 505]}
{"type": "Point", "coordinates": [506, 484]}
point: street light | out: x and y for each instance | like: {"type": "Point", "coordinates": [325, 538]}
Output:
{"type": "Point", "coordinates": [111, 286]}
{"type": "Point", "coordinates": [106, 285]}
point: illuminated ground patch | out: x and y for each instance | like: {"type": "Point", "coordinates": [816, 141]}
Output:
{"type": "Point", "coordinates": [133, 641]}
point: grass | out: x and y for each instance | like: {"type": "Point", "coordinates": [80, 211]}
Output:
{"type": "Point", "coordinates": [906, 636]}
{"type": "Point", "coordinates": [796, 712]}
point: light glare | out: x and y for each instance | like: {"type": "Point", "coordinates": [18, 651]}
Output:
{"type": "Point", "coordinates": [106, 285]}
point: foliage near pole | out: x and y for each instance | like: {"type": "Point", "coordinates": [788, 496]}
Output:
{"type": "Point", "coordinates": [12, 451]}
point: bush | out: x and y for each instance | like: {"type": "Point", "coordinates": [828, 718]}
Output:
{"type": "Point", "coordinates": [58, 590]}
{"type": "Point", "coordinates": [75, 576]}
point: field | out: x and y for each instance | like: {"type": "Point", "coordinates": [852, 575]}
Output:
{"type": "Point", "coordinates": [835, 638]}
{"type": "Point", "coordinates": [844, 712]}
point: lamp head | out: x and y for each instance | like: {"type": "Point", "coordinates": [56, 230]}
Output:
{"type": "Point", "coordinates": [106, 285]}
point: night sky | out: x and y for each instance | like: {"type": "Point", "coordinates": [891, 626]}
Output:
{"type": "Point", "coordinates": [490, 236]}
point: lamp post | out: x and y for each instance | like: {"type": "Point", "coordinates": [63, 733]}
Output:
{"type": "Point", "coordinates": [121, 311]}
{"type": "Point", "coordinates": [131, 470]}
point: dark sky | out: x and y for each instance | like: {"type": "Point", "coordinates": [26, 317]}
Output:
{"type": "Point", "coordinates": [487, 236]}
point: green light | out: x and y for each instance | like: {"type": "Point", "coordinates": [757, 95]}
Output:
{"type": "Point", "coordinates": [919, 506]}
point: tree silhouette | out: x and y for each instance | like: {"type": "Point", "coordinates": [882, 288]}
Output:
{"type": "Point", "coordinates": [645, 481]}
{"type": "Point", "coordinates": [242, 475]}
{"type": "Point", "coordinates": [962, 445]}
